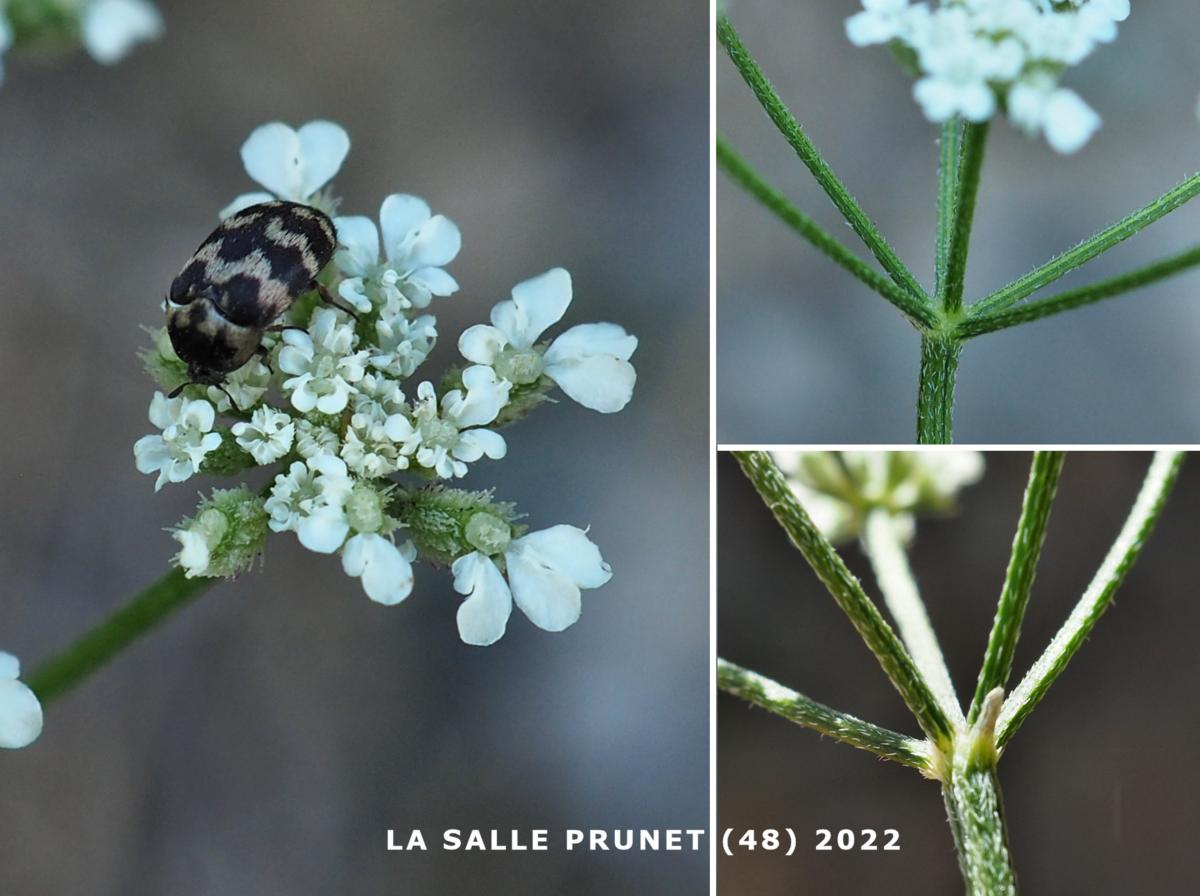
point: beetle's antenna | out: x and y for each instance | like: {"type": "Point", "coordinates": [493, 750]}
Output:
{"type": "Point", "coordinates": [174, 393]}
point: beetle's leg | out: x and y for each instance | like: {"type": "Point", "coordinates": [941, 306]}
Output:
{"type": "Point", "coordinates": [265, 357]}
{"type": "Point", "coordinates": [328, 299]}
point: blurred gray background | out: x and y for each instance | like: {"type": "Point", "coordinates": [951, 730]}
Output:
{"type": "Point", "coordinates": [1100, 783]}
{"type": "Point", "coordinates": [264, 740]}
{"type": "Point", "coordinates": [808, 354]}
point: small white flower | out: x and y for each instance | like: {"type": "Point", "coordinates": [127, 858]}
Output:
{"type": "Point", "coordinates": [313, 439]}
{"type": "Point", "coordinates": [20, 711]}
{"type": "Point", "coordinates": [310, 500]}
{"type": "Point", "coordinates": [292, 164]}
{"type": "Point", "coordinates": [111, 28]}
{"type": "Point", "coordinates": [246, 385]}
{"type": "Point", "coordinates": [402, 345]}
{"type": "Point", "coordinates": [589, 362]}
{"type": "Point", "coordinates": [186, 438]}
{"type": "Point", "coordinates": [385, 569]}
{"type": "Point", "coordinates": [268, 436]}
{"type": "Point", "coordinates": [323, 363]}
{"type": "Point", "coordinates": [417, 244]}
{"type": "Point", "coordinates": [367, 450]}
{"type": "Point", "coordinates": [447, 439]}
{"type": "Point", "coordinates": [197, 541]}
{"type": "Point", "coordinates": [1034, 105]}
{"type": "Point", "coordinates": [546, 572]}
{"type": "Point", "coordinates": [879, 22]}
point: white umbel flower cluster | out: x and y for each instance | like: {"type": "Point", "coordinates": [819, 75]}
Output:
{"type": "Point", "coordinates": [978, 56]}
{"type": "Point", "coordinates": [108, 29]}
{"type": "Point", "coordinates": [335, 409]}
{"type": "Point", "coordinates": [839, 488]}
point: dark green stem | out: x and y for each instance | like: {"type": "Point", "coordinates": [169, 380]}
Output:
{"type": "Point", "coordinates": [147, 609]}
{"type": "Point", "coordinates": [935, 392]}
{"type": "Point", "coordinates": [1018, 580]}
{"type": "Point", "coordinates": [744, 176]}
{"type": "Point", "coordinates": [848, 593]}
{"type": "Point", "coordinates": [1084, 295]}
{"type": "Point", "coordinates": [948, 152]}
{"type": "Point", "coordinates": [970, 166]}
{"type": "Point", "coordinates": [1087, 250]}
{"type": "Point", "coordinates": [807, 152]}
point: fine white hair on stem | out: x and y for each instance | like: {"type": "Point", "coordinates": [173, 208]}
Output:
{"type": "Point", "coordinates": [881, 541]}
{"type": "Point", "coordinates": [1096, 598]}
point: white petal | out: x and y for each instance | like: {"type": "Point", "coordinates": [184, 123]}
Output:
{"type": "Point", "coordinates": [483, 616]}
{"type": "Point", "coordinates": [387, 575]}
{"type": "Point", "coordinates": [10, 666]}
{"type": "Point", "coordinates": [271, 155]}
{"type": "Point", "coordinates": [486, 395]}
{"type": "Point", "coordinates": [592, 339]}
{"type": "Point", "coordinates": [535, 305]}
{"type": "Point", "coordinates": [475, 443]}
{"type": "Point", "coordinates": [603, 384]}
{"type": "Point", "coordinates": [438, 242]}
{"type": "Point", "coordinates": [359, 242]}
{"type": "Point", "coordinates": [568, 550]}
{"type": "Point", "coordinates": [399, 216]}
{"type": "Point", "coordinates": [244, 201]}
{"type": "Point", "coordinates": [110, 28]}
{"type": "Point", "coordinates": [323, 530]}
{"type": "Point", "coordinates": [20, 715]}
{"type": "Point", "coordinates": [550, 599]}
{"type": "Point", "coordinates": [481, 344]}
{"type": "Point", "coordinates": [435, 280]}
{"type": "Point", "coordinates": [323, 148]}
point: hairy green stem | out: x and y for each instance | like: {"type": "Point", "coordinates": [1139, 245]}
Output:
{"type": "Point", "coordinates": [1083, 295]}
{"type": "Point", "coordinates": [1087, 250]}
{"type": "Point", "coordinates": [971, 790]}
{"type": "Point", "coordinates": [1018, 579]}
{"type": "Point", "coordinates": [949, 146]}
{"type": "Point", "coordinates": [807, 152]}
{"type": "Point", "coordinates": [970, 166]}
{"type": "Point", "coordinates": [846, 591]}
{"type": "Point", "coordinates": [774, 697]}
{"type": "Point", "coordinates": [147, 609]}
{"type": "Point", "coordinates": [744, 176]}
{"type": "Point", "coordinates": [935, 390]}
{"type": "Point", "coordinates": [1097, 598]}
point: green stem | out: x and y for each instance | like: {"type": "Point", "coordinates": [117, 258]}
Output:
{"type": "Point", "coordinates": [1018, 580]}
{"type": "Point", "coordinates": [970, 166]}
{"type": "Point", "coordinates": [1084, 295]}
{"type": "Point", "coordinates": [949, 147]}
{"type": "Point", "coordinates": [895, 660]}
{"type": "Point", "coordinates": [976, 811]}
{"type": "Point", "coordinates": [1098, 596]}
{"type": "Point", "coordinates": [833, 187]}
{"type": "Point", "coordinates": [971, 790]}
{"type": "Point", "coordinates": [148, 608]}
{"type": "Point", "coordinates": [744, 176]}
{"type": "Point", "coordinates": [935, 391]}
{"type": "Point", "coordinates": [774, 697]}
{"type": "Point", "coordinates": [1087, 250]}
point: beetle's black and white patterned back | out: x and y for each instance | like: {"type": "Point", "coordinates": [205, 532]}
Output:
{"type": "Point", "coordinates": [258, 261]}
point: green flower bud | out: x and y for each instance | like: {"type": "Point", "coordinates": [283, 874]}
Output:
{"type": "Point", "coordinates": [488, 533]}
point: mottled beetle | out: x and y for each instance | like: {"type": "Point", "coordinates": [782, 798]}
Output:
{"type": "Point", "coordinates": [248, 272]}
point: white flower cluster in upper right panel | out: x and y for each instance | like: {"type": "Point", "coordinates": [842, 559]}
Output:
{"type": "Point", "coordinates": [975, 57]}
